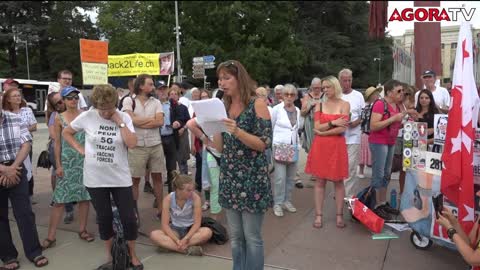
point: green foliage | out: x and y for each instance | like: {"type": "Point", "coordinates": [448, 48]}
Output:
{"type": "Point", "coordinates": [277, 41]}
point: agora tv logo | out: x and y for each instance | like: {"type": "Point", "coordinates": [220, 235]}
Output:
{"type": "Point", "coordinates": [431, 14]}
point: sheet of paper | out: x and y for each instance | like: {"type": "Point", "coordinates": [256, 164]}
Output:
{"type": "Point", "coordinates": [399, 227]}
{"type": "Point", "coordinates": [210, 114]}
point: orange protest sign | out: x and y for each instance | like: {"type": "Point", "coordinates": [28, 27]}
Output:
{"type": "Point", "coordinates": [93, 51]}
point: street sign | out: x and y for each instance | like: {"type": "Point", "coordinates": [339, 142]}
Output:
{"type": "Point", "coordinates": [198, 76]}
{"type": "Point", "coordinates": [198, 59]}
{"type": "Point", "coordinates": [208, 58]}
{"type": "Point", "coordinates": [209, 65]}
{"type": "Point", "coordinates": [198, 67]}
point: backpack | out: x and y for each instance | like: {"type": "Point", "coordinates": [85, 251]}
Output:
{"type": "Point", "coordinates": [367, 115]}
{"type": "Point", "coordinates": [120, 255]}
{"type": "Point", "coordinates": [219, 235]}
{"type": "Point", "coordinates": [368, 196]}
{"type": "Point", "coordinates": [120, 104]}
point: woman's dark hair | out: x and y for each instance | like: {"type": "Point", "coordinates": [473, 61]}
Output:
{"type": "Point", "coordinates": [140, 81]}
{"type": "Point", "coordinates": [390, 84]}
{"type": "Point", "coordinates": [432, 108]}
{"type": "Point", "coordinates": [246, 86]}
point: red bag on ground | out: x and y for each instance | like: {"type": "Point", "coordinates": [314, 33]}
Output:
{"type": "Point", "coordinates": [366, 216]}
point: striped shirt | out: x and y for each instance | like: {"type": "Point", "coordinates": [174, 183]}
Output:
{"type": "Point", "coordinates": [12, 135]}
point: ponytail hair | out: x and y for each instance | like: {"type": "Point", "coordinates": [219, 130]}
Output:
{"type": "Point", "coordinates": [178, 180]}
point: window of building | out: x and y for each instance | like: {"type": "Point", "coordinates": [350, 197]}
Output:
{"type": "Point", "coordinates": [454, 45]}
{"type": "Point", "coordinates": [443, 45]}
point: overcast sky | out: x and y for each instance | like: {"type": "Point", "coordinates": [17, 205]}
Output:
{"type": "Point", "coordinates": [398, 28]}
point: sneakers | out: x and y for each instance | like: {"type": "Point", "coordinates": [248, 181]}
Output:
{"type": "Point", "coordinates": [68, 218]}
{"type": "Point", "coordinates": [278, 211]}
{"type": "Point", "coordinates": [147, 188]}
{"type": "Point", "coordinates": [289, 206]}
{"type": "Point", "coordinates": [298, 184]}
{"type": "Point", "coordinates": [391, 210]}
{"type": "Point", "coordinates": [361, 175]}
{"type": "Point", "coordinates": [195, 251]}
{"type": "Point", "coordinates": [381, 212]}
{"type": "Point", "coordinates": [206, 206]}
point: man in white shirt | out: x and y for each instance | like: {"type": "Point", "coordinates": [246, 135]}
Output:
{"type": "Point", "coordinates": [353, 132]}
{"type": "Point", "coordinates": [64, 79]}
{"type": "Point", "coordinates": [440, 94]}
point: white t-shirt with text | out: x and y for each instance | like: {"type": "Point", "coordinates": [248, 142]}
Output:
{"type": "Point", "coordinates": [106, 163]}
{"type": "Point", "coordinates": [357, 102]}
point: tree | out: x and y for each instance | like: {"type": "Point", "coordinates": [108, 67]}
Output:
{"type": "Point", "coordinates": [335, 35]}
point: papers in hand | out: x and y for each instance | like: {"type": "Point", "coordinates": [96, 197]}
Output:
{"type": "Point", "coordinates": [210, 114]}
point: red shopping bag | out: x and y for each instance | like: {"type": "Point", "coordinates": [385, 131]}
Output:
{"type": "Point", "coordinates": [366, 216]}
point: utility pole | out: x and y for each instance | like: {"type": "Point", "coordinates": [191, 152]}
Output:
{"type": "Point", "coordinates": [28, 65]}
{"type": "Point", "coordinates": [177, 30]}
{"type": "Point", "coordinates": [379, 59]}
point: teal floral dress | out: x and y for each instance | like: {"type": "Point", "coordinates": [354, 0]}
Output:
{"type": "Point", "coordinates": [244, 180]}
{"type": "Point", "coordinates": [70, 187]}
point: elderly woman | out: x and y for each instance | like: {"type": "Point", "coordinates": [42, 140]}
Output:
{"type": "Point", "coordinates": [13, 102]}
{"type": "Point", "coordinates": [384, 127]}
{"type": "Point", "coordinates": [286, 122]}
{"type": "Point", "coordinates": [108, 135]}
{"type": "Point", "coordinates": [245, 190]}
{"type": "Point", "coordinates": [329, 148]}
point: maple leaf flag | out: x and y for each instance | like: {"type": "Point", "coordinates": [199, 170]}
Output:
{"type": "Point", "coordinates": [457, 173]}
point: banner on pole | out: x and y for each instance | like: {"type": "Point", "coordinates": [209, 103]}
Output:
{"type": "Point", "coordinates": [141, 63]}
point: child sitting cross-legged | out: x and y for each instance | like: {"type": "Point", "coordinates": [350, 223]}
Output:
{"type": "Point", "coordinates": [180, 230]}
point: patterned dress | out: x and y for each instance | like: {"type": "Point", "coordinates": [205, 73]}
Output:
{"type": "Point", "coordinates": [244, 180]}
{"type": "Point", "coordinates": [70, 188]}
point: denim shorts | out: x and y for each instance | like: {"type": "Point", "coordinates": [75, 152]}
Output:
{"type": "Point", "coordinates": [182, 231]}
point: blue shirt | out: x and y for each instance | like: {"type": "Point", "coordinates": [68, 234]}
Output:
{"type": "Point", "coordinates": [166, 129]}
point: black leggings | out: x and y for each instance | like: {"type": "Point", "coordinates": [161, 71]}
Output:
{"type": "Point", "coordinates": [123, 198]}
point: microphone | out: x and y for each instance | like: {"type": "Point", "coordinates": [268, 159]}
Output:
{"type": "Point", "coordinates": [219, 94]}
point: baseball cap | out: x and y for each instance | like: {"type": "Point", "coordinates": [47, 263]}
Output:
{"type": "Point", "coordinates": [161, 84]}
{"type": "Point", "coordinates": [428, 73]}
{"type": "Point", "coordinates": [67, 90]}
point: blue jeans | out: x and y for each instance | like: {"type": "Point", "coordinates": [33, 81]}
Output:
{"type": "Point", "coordinates": [284, 180]}
{"type": "Point", "coordinates": [382, 156]}
{"type": "Point", "coordinates": [246, 239]}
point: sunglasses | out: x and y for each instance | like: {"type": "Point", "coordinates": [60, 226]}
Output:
{"type": "Point", "coordinates": [75, 97]}
{"type": "Point", "coordinates": [289, 94]}
{"type": "Point", "coordinates": [399, 91]}
{"type": "Point", "coordinates": [229, 64]}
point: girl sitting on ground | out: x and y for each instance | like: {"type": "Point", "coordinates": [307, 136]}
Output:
{"type": "Point", "coordinates": [181, 231]}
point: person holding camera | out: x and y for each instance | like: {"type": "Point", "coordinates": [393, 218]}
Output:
{"type": "Point", "coordinates": [467, 245]}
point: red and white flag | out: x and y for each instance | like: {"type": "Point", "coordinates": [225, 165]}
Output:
{"type": "Point", "coordinates": [457, 174]}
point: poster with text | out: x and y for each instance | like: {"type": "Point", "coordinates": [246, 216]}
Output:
{"type": "Point", "coordinates": [440, 128]}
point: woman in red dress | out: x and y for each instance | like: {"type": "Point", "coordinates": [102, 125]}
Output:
{"type": "Point", "coordinates": [328, 159]}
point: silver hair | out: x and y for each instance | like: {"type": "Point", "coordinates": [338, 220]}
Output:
{"type": "Point", "coordinates": [278, 87]}
{"type": "Point", "coordinates": [316, 80]}
{"type": "Point", "coordinates": [345, 71]}
{"type": "Point", "coordinates": [288, 88]}
{"type": "Point", "coordinates": [194, 89]}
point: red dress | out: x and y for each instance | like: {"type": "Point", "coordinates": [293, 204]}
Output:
{"type": "Point", "coordinates": [328, 157]}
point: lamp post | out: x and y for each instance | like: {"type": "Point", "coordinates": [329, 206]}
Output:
{"type": "Point", "coordinates": [28, 65]}
{"type": "Point", "coordinates": [177, 33]}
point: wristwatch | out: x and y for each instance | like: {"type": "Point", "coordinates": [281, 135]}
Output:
{"type": "Point", "coordinates": [122, 125]}
{"type": "Point", "coordinates": [451, 232]}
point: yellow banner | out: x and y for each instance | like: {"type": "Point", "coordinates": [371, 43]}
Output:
{"type": "Point", "coordinates": [133, 64]}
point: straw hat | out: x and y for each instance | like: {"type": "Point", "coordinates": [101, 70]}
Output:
{"type": "Point", "coordinates": [370, 91]}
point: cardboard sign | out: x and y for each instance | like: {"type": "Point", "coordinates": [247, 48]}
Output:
{"type": "Point", "coordinates": [94, 73]}
{"type": "Point", "coordinates": [434, 163]}
{"type": "Point", "coordinates": [93, 51]}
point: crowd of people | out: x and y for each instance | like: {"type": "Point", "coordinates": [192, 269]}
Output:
{"type": "Point", "coordinates": [100, 153]}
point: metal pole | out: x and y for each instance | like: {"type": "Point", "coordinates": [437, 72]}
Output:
{"type": "Point", "coordinates": [28, 66]}
{"type": "Point", "coordinates": [379, 64]}
{"type": "Point", "coordinates": [179, 61]}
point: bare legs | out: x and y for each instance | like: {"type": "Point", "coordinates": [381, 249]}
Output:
{"type": "Point", "coordinates": [160, 238]}
{"type": "Point", "coordinates": [319, 197]}
{"type": "Point", "coordinates": [158, 190]}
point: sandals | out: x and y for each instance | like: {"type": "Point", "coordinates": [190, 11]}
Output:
{"type": "Point", "coordinates": [341, 224]}
{"type": "Point", "coordinates": [37, 261]}
{"type": "Point", "coordinates": [84, 235]}
{"type": "Point", "coordinates": [11, 261]}
{"type": "Point", "coordinates": [50, 243]}
{"type": "Point", "coordinates": [317, 224]}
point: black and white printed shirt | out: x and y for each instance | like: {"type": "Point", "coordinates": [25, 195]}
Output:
{"type": "Point", "coordinates": [12, 135]}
